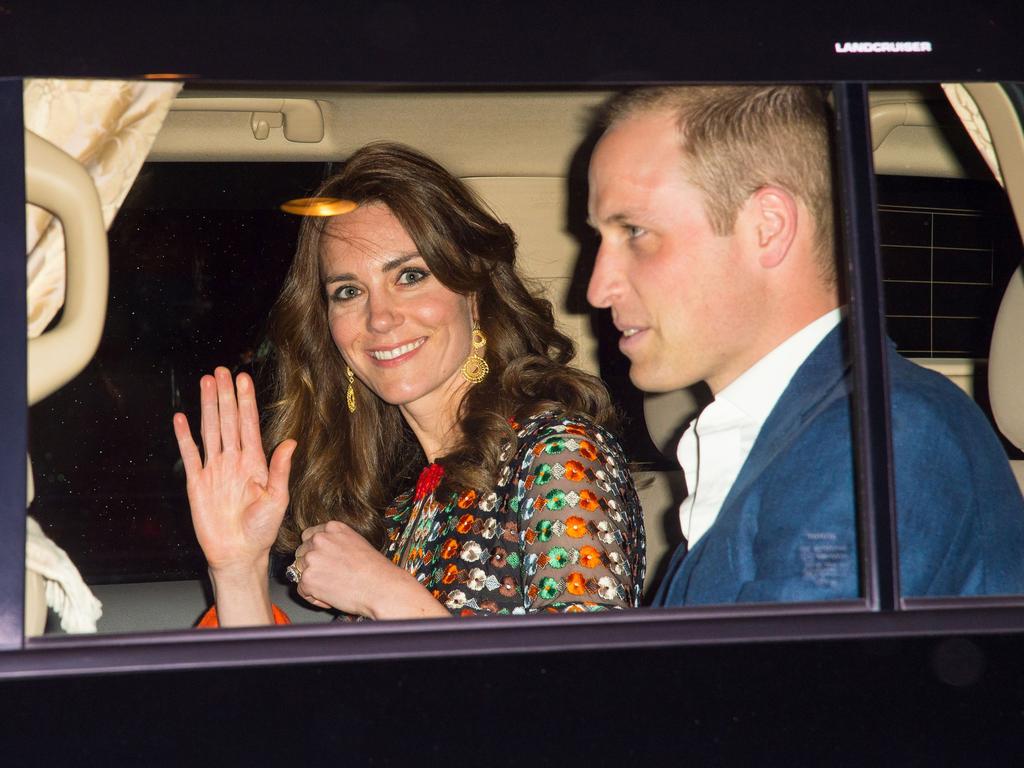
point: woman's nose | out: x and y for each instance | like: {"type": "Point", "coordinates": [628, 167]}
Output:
{"type": "Point", "coordinates": [383, 315]}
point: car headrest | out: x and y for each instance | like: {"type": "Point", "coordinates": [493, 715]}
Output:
{"type": "Point", "coordinates": [1006, 362]}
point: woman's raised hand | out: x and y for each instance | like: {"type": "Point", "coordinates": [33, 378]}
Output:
{"type": "Point", "coordinates": [237, 500]}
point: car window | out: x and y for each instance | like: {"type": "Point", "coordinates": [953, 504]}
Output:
{"type": "Point", "coordinates": [950, 245]}
{"type": "Point", "coordinates": [198, 252]}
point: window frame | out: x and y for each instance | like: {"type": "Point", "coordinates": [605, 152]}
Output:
{"type": "Point", "coordinates": [880, 613]}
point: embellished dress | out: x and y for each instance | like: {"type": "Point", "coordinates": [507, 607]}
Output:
{"type": "Point", "coordinates": [561, 531]}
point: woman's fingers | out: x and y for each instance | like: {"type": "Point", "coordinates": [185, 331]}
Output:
{"type": "Point", "coordinates": [209, 411]}
{"type": "Point", "coordinates": [190, 457]}
{"type": "Point", "coordinates": [248, 414]}
{"type": "Point", "coordinates": [280, 467]}
{"type": "Point", "coordinates": [312, 600]}
{"type": "Point", "coordinates": [307, 532]}
{"type": "Point", "coordinates": [228, 408]}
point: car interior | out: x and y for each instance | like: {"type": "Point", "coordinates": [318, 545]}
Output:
{"type": "Point", "coordinates": [225, 158]}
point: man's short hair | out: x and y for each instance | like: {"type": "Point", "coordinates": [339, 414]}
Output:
{"type": "Point", "coordinates": [737, 139]}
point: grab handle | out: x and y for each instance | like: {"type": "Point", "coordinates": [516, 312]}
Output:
{"type": "Point", "coordinates": [57, 182]}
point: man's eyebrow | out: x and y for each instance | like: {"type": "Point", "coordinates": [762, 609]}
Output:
{"type": "Point", "coordinates": [616, 218]}
{"type": "Point", "coordinates": [387, 266]}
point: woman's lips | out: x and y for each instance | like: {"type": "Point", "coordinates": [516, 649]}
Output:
{"type": "Point", "coordinates": [395, 355]}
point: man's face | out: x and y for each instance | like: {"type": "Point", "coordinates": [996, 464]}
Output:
{"type": "Point", "coordinates": [679, 294]}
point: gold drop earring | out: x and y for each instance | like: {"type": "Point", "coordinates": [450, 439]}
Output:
{"type": "Point", "coordinates": [475, 369]}
{"type": "Point", "coordinates": [350, 395]}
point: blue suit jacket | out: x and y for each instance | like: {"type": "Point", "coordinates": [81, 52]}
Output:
{"type": "Point", "coordinates": [787, 529]}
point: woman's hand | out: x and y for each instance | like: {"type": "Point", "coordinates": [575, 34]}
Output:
{"type": "Point", "coordinates": [237, 501]}
{"type": "Point", "coordinates": [340, 569]}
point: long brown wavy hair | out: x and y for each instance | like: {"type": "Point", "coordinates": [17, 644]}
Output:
{"type": "Point", "coordinates": [349, 467]}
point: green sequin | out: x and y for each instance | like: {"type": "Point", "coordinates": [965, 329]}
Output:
{"type": "Point", "coordinates": [544, 529]}
{"type": "Point", "coordinates": [513, 559]}
{"type": "Point", "coordinates": [555, 445]}
{"type": "Point", "coordinates": [544, 474]}
{"type": "Point", "coordinates": [558, 557]}
{"type": "Point", "coordinates": [555, 499]}
{"type": "Point", "coordinates": [549, 588]}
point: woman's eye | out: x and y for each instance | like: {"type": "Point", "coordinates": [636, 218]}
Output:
{"type": "Point", "coordinates": [412, 275]}
{"type": "Point", "coordinates": [344, 293]}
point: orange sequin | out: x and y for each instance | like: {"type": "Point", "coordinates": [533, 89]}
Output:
{"type": "Point", "coordinates": [449, 549]}
{"type": "Point", "coordinates": [589, 557]}
{"type": "Point", "coordinates": [576, 527]}
{"type": "Point", "coordinates": [575, 429]}
{"type": "Point", "coordinates": [465, 524]}
{"type": "Point", "coordinates": [576, 584]}
{"type": "Point", "coordinates": [450, 574]}
{"type": "Point", "coordinates": [574, 471]}
{"type": "Point", "coordinates": [467, 498]}
{"type": "Point", "coordinates": [588, 451]}
{"type": "Point", "coordinates": [589, 500]}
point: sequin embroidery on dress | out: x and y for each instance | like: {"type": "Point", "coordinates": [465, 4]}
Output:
{"type": "Point", "coordinates": [561, 531]}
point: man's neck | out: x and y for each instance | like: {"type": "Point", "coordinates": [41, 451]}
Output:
{"type": "Point", "coordinates": [784, 328]}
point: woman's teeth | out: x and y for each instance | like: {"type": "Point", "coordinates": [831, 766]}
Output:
{"type": "Point", "coordinates": [391, 354]}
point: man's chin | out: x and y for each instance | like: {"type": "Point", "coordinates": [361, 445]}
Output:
{"type": "Point", "coordinates": [647, 380]}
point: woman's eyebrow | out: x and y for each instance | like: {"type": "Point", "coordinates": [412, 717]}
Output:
{"type": "Point", "coordinates": [387, 266]}
{"type": "Point", "coordinates": [338, 278]}
{"type": "Point", "coordinates": [398, 261]}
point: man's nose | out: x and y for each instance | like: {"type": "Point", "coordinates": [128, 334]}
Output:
{"type": "Point", "coordinates": [603, 280]}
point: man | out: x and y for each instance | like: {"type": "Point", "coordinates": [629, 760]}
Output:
{"type": "Point", "coordinates": [714, 208]}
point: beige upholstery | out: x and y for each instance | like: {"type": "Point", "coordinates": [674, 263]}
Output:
{"type": "Point", "coordinates": [1006, 368]}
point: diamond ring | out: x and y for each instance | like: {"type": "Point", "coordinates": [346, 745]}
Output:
{"type": "Point", "coordinates": [293, 573]}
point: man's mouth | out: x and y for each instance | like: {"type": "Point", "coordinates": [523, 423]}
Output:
{"type": "Point", "coordinates": [396, 352]}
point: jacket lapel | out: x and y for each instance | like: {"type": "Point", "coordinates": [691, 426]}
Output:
{"type": "Point", "coordinates": [817, 381]}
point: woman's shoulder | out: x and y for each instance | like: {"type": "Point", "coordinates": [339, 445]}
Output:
{"type": "Point", "coordinates": [538, 429]}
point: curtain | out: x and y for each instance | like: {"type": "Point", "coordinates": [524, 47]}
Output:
{"type": "Point", "coordinates": [967, 110]}
{"type": "Point", "coordinates": [109, 127]}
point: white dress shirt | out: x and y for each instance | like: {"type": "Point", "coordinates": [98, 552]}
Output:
{"type": "Point", "coordinates": [716, 444]}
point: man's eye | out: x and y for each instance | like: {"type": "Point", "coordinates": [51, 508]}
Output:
{"type": "Point", "coordinates": [344, 293]}
{"type": "Point", "coordinates": [633, 232]}
{"type": "Point", "coordinates": [412, 275]}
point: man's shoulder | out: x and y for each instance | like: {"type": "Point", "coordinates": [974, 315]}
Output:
{"type": "Point", "coordinates": [930, 407]}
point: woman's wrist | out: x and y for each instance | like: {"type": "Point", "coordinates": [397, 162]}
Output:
{"type": "Point", "coordinates": [407, 599]}
{"type": "Point", "coordinates": [242, 595]}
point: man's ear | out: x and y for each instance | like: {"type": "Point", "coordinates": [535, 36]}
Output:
{"type": "Point", "coordinates": [772, 221]}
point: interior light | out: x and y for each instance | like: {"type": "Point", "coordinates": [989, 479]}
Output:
{"type": "Point", "coordinates": [319, 206]}
{"type": "Point", "coordinates": [168, 76]}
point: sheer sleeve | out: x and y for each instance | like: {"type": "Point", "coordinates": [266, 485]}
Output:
{"type": "Point", "coordinates": [581, 523]}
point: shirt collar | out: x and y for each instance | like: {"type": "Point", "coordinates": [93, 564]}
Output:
{"type": "Point", "coordinates": [759, 388]}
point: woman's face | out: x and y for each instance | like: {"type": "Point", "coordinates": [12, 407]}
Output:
{"type": "Point", "coordinates": [401, 331]}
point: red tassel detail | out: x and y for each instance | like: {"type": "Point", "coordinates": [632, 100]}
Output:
{"type": "Point", "coordinates": [430, 478]}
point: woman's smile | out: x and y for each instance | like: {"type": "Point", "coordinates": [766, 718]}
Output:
{"type": "Point", "coordinates": [389, 356]}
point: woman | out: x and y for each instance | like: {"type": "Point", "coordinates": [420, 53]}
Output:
{"type": "Point", "coordinates": [411, 361]}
